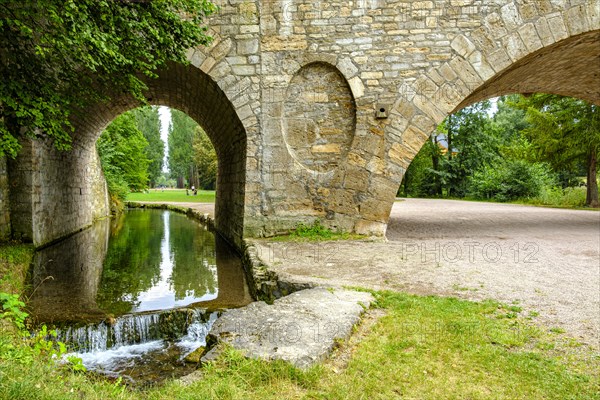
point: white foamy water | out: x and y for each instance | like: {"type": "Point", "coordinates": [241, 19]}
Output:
{"type": "Point", "coordinates": [113, 361]}
{"type": "Point", "coordinates": [111, 349]}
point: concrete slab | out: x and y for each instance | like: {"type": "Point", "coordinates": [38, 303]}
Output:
{"type": "Point", "coordinates": [302, 328]}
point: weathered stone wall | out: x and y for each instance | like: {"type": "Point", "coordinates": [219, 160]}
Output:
{"type": "Point", "coordinates": [55, 193]}
{"type": "Point", "coordinates": [316, 109]}
{"type": "Point", "coordinates": [408, 65]}
{"type": "Point", "coordinates": [5, 230]}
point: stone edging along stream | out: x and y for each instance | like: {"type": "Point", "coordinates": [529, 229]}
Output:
{"type": "Point", "coordinates": [290, 321]}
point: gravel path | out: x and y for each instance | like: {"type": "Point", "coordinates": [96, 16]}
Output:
{"type": "Point", "coordinates": [545, 260]}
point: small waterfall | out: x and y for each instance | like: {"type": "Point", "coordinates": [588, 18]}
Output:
{"type": "Point", "coordinates": [127, 330]}
{"type": "Point", "coordinates": [192, 324]}
{"type": "Point", "coordinates": [197, 332]}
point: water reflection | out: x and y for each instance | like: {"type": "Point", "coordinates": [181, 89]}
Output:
{"type": "Point", "coordinates": [66, 276]}
{"type": "Point", "coordinates": [144, 260]}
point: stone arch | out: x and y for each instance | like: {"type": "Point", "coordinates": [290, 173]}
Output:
{"type": "Point", "coordinates": [192, 91]}
{"type": "Point", "coordinates": [70, 185]}
{"type": "Point", "coordinates": [504, 55]}
{"type": "Point", "coordinates": [551, 69]}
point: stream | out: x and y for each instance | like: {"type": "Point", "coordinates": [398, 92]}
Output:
{"type": "Point", "coordinates": [134, 296]}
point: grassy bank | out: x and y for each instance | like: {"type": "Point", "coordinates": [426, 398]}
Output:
{"type": "Point", "coordinates": [173, 195]}
{"type": "Point", "coordinates": [422, 348]}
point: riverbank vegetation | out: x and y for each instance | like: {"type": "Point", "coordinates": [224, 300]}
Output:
{"type": "Point", "coordinates": [422, 347]}
{"type": "Point", "coordinates": [541, 149]}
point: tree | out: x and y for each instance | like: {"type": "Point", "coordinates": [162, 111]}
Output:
{"type": "Point", "coordinates": [422, 176]}
{"type": "Point", "coordinates": [205, 159]}
{"type": "Point", "coordinates": [181, 153]}
{"type": "Point", "coordinates": [148, 122]}
{"type": "Point", "coordinates": [565, 132]}
{"type": "Point", "coordinates": [122, 149]}
{"type": "Point", "coordinates": [470, 146]}
{"type": "Point", "coordinates": [59, 56]}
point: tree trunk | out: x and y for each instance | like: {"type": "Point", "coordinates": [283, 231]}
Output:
{"type": "Point", "coordinates": [591, 199]}
{"type": "Point", "coordinates": [449, 152]}
{"type": "Point", "coordinates": [180, 182]}
{"type": "Point", "coordinates": [436, 166]}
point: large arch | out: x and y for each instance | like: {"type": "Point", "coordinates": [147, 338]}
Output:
{"type": "Point", "coordinates": [416, 61]}
{"type": "Point", "coordinates": [488, 64]}
{"type": "Point", "coordinates": [187, 88]}
{"type": "Point", "coordinates": [68, 190]}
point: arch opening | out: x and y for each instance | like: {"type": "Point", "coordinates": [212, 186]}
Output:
{"type": "Point", "coordinates": [570, 67]}
{"type": "Point", "coordinates": [70, 185]}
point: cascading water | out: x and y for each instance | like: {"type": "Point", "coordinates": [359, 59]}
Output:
{"type": "Point", "coordinates": [127, 330]}
{"type": "Point", "coordinates": [149, 277]}
{"type": "Point", "coordinates": [115, 349]}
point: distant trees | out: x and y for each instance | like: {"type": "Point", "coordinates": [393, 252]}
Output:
{"type": "Point", "coordinates": [181, 152]}
{"type": "Point", "coordinates": [131, 152]}
{"type": "Point", "coordinates": [148, 122]}
{"type": "Point", "coordinates": [122, 149]}
{"type": "Point", "coordinates": [527, 148]}
{"type": "Point", "coordinates": [192, 157]}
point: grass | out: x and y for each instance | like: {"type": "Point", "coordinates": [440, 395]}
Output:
{"type": "Point", "coordinates": [173, 195]}
{"type": "Point", "coordinates": [15, 260]}
{"type": "Point", "coordinates": [315, 233]}
{"type": "Point", "coordinates": [423, 348]}
{"type": "Point", "coordinates": [573, 197]}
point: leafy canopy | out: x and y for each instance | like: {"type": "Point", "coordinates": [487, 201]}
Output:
{"type": "Point", "coordinates": [122, 149]}
{"type": "Point", "coordinates": [148, 122]}
{"type": "Point", "coordinates": [59, 56]}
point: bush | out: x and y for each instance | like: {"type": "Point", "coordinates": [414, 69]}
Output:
{"type": "Point", "coordinates": [511, 180]}
{"type": "Point", "coordinates": [556, 196]}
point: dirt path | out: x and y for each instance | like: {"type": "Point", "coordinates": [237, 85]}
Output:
{"type": "Point", "coordinates": [545, 260]}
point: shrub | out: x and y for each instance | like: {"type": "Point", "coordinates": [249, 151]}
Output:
{"type": "Point", "coordinates": [511, 180]}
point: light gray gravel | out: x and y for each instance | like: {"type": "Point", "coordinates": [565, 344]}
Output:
{"type": "Point", "coordinates": [545, 260]}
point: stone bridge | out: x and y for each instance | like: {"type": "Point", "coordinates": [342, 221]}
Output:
{"type": "Point", "coordinates": [317, 108]}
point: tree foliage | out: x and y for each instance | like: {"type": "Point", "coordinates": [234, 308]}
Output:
{"type": "Point", "coordinates": [523, 151]}
{"type": "Point", "coordinates": [565, 132]}
{"type": "Point", "coordinates": [148, 122]}
{"type": "Point", "coordinates": [59, 56]}
{"type": "Point", "coordinates": [192, 157]}
{"type": "Point", "coordinates": [122, 149]}
{"type": "Point", "coordinates": [180, 142]}
{"type": "Point", "coordinates": [469, 146]}
{"type": "Point", "coordinates": [205, 159]}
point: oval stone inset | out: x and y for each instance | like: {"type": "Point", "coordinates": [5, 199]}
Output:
{"type": "Point", "coordinates": [319, 117]}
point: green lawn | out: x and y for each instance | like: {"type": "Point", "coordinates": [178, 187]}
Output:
{"type": "Point", "coordinates": [422, 348]}
{"type": "Point", "coordinates": [173, 195]}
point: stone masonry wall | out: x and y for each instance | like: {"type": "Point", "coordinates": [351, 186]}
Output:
{"type": "Point", "coordinates": [408, 65]}
{"type": "Point", "coordinates": [5, 229]}
{"type": "Point", "coordinates": [317, 108]}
